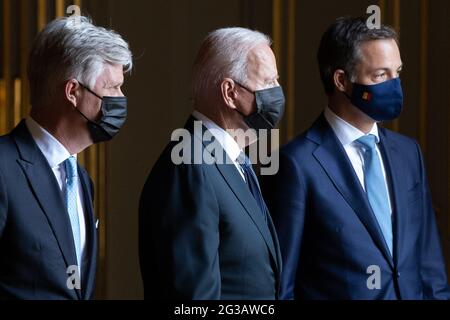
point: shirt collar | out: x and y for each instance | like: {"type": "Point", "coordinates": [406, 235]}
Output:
{"type": "Point", "coordinates": [345, 132]}
{"type": "Point", "coordinates": [51, 148]}
{"type": "Point", "coordinates": [227, 142]}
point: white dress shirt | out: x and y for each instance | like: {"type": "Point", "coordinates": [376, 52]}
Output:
{"type": "Point", "coordinates": [347, 135]}
{"type": "Point", "coordinates": [227, 142]}
{"type": "Point", "coordinates": [56, 154]}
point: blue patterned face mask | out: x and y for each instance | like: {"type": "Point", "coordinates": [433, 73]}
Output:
{"type": "Point", "coordinates": [381, 102]}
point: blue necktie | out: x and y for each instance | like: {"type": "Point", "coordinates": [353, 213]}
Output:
{"type": "Point", "coordinates": [71, 197]}
{"type": "Point", "coordinates": [252, 182]}
{"type": "Point", "coordinates": [376, 190]}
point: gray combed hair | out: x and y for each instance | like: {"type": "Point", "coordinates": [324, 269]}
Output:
{"type": "Point", "coordinates": [224, 54]}
{"type": "Point", "coordinates": [73, 48]}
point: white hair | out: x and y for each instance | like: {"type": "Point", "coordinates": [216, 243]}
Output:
{"type": "Point", "coordinates": [224, 54]}
{"type": "Point", "coordinates": [73, 48]}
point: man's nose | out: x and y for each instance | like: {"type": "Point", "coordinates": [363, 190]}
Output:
{"type": "Point", "coordinates": [393, 75]}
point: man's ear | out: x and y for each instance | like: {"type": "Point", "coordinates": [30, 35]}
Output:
{"type": "Point", "coordinates": [71, 92]}
{"type": "Point", "coordinates": [228, 92]}
{"type": "Point", "coordinates": [341, 81]}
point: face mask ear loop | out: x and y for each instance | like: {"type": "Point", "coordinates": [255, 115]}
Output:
{"type": "Point", "coordinates": [350, 80]}
{"type": "Point", "coordinates": [247, 89]}
{"type": "Point", "coordinates": [89, 90]}
{"type": "Point", "coordinates": [82, 114]}
{"type": "Point", "coordinates": [244, 87]}
{"type": "Point", "coordinates": [348, 97]}
{"type": "Point", "coordinates": [92, 92]}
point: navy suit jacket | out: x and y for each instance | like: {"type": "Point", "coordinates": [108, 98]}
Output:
{"type": "Point", "coordinates": [201, 232]}
{"type": "Point", "coordinates": [328, 234]}
{"type": "Point", "coordinates": [36, 242]}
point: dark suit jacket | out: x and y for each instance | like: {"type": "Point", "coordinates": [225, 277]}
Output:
{"type": "Point", "coordinates": [328, 234]}
{"type": "Point", "coordinates": [201, 233]}
{"type": "Point", "coordinates": [36, 242]}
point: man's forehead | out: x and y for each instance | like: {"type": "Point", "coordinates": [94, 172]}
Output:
{"type": "Point", "coordinates": [261, 62]}
{"type": "Point", "coordinates": [111, 75]}
{"type": "Point", "coordinates": [260, 53]}
{"type": "Point", "coordinates": [380, 53]}
{"type": "Point", "coordinates": [379, 48]}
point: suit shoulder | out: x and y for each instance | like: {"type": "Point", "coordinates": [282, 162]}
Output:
{"type": "Point", "coordinates": [396, 135]}
{"type": "Point", "coordinates": [299, 145]}
{"type": "Point", "coordinates": [172, 178]}
{"type": "Point", "coordinates": [175, 161]}
{"type": "Point", "coordinates": [178, 153]}
{"type": "Point", "coordinates": [7, 148]}
{"type": "Point", "coordinates": [6, 141]}
{"type": "Point", "coordinates": [402, 141]}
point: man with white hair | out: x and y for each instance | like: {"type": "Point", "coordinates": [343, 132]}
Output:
{"type": "Point", "coordinates": [204, 229]}
{"type": "Point", "coordinates": [48, 242]}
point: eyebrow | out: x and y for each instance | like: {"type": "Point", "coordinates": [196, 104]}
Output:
{"type": "Point", "coordinates": [387, 69]}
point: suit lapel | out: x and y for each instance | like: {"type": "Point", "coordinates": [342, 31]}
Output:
{"type": "Point", "coordinates": [393, 162]}
{"type": "Point", "coordinates": [232, 177]}
{"type": "Point", "coordinates": [240, 190]}
{"type": "Point", "coordinates": [334, 160]}
{"type": "Point", "coordinates": [46, 190]}
{"type": "Point", "coordinates": [91, 236]}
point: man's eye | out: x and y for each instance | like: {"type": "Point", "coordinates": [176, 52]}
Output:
{"type": "Point", "coordinates": [380, 75]}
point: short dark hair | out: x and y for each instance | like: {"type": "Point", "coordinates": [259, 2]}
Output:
{"type": "Point", "coordinates": [340, 45]}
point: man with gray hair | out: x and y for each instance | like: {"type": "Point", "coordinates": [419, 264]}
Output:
{"type": "Point", "coordinates": [204, 229]}
{"type": "Point", "coordinates": [48, 243]}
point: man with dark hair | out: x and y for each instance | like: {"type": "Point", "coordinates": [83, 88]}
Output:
{"type": "Point", "coordinates": [351, 201]}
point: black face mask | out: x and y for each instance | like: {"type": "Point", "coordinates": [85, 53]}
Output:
{"type": "Point", "coordinates": [270, 105]}
{"type": "Point", "coordinates": [114, 114]}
